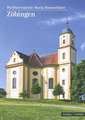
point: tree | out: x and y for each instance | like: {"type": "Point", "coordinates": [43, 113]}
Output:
{"type": "Point", "coordinates": [74, 94]}
{"type": "Point", "coordinates": [78, 80]}
{"type": "Point", "coordinates": [58, 90]}
{"type": "Point", "coordinates": [24, 94]}
{"type": "Point", "coordinates": [36, 89]}
{"type": "Point", "coordinates": [2, 93]}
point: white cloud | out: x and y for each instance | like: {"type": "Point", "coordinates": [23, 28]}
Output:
{"type": "Point", "coordinates": [55, 21]}
{"type": "Point", "coordinates": [82, 46]}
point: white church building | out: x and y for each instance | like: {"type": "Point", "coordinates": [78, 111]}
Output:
{"type": "Point", "coordinates": [23, 71]}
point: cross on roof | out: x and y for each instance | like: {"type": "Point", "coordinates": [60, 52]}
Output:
{"type": "Point", "coordinates": [67, 23]}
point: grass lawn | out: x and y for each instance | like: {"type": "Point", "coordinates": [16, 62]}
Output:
{"type": "Point", "coordinates": [27, 110]}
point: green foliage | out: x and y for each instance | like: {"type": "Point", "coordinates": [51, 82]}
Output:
{"type": "Point", "coordinates": [2, 93]}
{"type": "Point", "coordinates": [24, 94]}
{"type": "Point", "coordinates": [36, 89]}
{"type": "Point", "coordinates": [78, 80]}
{"type": "Point", "coordinates": [58, 90]}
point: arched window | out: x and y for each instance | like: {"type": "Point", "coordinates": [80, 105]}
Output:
{"type": "Point", "coordinates": [14, 83]}
{"type": "Point", "coordinates": [64, 95]}
{"type": "Point", "coordinates": [63, 41]}
{"type": "Point", "coordinates": [64, 55]}
{"type": "Point", "coordinates": [14, 60]}
{"type": "Point", "coordinates": [63, 82]}
{"type": "Point", "coordinates": [50, 83]}
{"type": "Point", "coordinates": [34, 81]}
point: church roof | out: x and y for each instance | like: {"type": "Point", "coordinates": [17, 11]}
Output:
{"type": "Point", "coordinates": [66, 30]}
{"type": "Point", "coordinates": [23, 56]}
{"type": "Point", "coordinates": [51, 59]}
{"type": "Point", "coordinates": [34, 60]}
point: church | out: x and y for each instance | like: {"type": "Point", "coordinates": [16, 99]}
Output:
{"type": "Point", "coordinates": [23, 71]}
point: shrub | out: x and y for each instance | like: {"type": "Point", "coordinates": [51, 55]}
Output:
{"type": "Point", "coordinates": [24, 94]}
{"type": "Point", "coordinates": [2, 93]}
{"type": "Point", "coordinates": [36, 89]}
{"type": "Point", "coordinates": [58, 90]}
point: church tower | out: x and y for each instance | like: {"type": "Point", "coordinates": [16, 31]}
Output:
{"type": "Point", "coordinates": [66, 60]}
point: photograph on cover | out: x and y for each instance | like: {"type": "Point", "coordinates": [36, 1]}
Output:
{"type": "Point", "coordinates": [42, 60]}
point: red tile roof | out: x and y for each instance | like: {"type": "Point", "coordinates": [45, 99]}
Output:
{"type": "Point", "coordinates": [50, 59]}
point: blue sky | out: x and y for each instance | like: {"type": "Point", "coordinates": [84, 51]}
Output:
{"type": "Point", "coordinates": [39, 33]}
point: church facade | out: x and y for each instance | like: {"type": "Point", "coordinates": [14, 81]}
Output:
{"type": "Point", "coordinates": [23, 71]}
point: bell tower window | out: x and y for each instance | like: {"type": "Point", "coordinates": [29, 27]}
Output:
{"type": "Point", "coordinates": [14, 72]}
{"type": "Point", "coordinates": [63, 82]}
{"type": "Point", "coordinates": [63, 70]}
{"type": "Point", "coordinates": [14, 60]}
{"type": "Point", "coordinates": [14, 83]}
{"type": "Point", "coordinates": [63, 56]}
{"type": "Point", "coordinates": [63, 41]}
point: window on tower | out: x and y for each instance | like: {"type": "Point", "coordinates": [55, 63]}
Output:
{"type": "Point", "coordinates": [14, 83]}
{"type": "Point", "coordinates": [63, 70]}
{"type": "Point", "coordinates": [63, 82]}
{"type": "Point", "coordinates": [14, 72]}
{"type": "Point", "coordinates": [63, 56]}
{"type": "Point", "coordinates": [63, 41]}
{"type": "Point", "coordinates": [14, 60]}
{"type": "Point", "coordinates": [63, 36]}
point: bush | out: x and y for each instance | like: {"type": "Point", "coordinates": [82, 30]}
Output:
{"type": "Point", "coordinates": [58, 90]}
{"type": "Point", "coordinates": [24, 94]}
{"type": "Point", "coordinates": [2, 93]}
{"type": "Point", "coordinates": [36, 89]}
